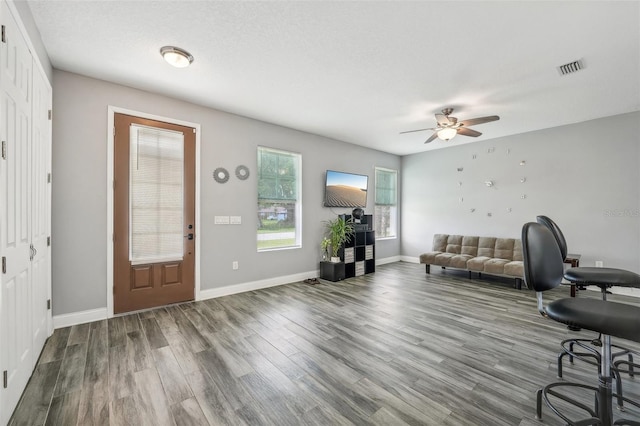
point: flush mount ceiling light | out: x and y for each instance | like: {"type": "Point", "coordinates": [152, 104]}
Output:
{"type": "Point", "coordinates": [177, 57]}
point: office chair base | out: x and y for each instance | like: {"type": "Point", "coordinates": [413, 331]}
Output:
{"type": "Point", "coordinates": [600, 414]}
{"type": "Point", "coordinates": [569, 349]}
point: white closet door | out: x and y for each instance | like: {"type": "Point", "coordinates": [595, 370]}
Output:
{"type": "Point", "coordinates": [40, 212]}
{"type": "Point", "coordinates": [16, 350]}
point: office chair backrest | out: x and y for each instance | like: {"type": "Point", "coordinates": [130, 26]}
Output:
{"type": "Point", "coordinates": [543, 268]}
{"type": "Point", "coordinates": [557, 233]}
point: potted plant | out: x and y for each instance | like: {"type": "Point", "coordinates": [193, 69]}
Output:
{"type": "Point", "coordinates": [339, 231]}
{"type": "Point", "coordinates": [324, 246]}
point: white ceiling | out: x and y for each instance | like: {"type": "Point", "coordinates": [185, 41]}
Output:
{"type": "Point", "coordinates": [361, 71]}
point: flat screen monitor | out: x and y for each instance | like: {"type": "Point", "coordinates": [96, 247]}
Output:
{"type": "Point", "coordinates": [345, 189]}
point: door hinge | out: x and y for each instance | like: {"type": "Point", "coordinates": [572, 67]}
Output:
{"type": "Point", "coordinates": [4, 40]}
{"type": "Point", "coordinates": [48, 177]}
{"type": "Point", "coordinates": [114, 130]}
{"type": "Point", "coordinates": [49, 241]}
{"type": "Point", "coordinates": [4, 150]}
{"type": "Point", "coordinates": [194, 130]}
{"type": "Point", "coordinates": [48, 304]}
{"type": "Point", "coordinates": [4, 265]}
{"type": "Point", "coordinates": [50, 114]}
{"type": "Point", "coordinates": [4, 373]}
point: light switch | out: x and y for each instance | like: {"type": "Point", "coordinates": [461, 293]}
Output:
{"type": "Point", "coordinates": [221, 220]}
{"type": "Point", "coordinates": [235, 220]}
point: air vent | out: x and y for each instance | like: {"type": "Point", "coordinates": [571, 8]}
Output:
{"type": "Point", "coordinates": [571, 67]}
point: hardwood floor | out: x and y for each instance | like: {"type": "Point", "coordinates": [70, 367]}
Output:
{"type": "Point", "coordinates": [395, 347]}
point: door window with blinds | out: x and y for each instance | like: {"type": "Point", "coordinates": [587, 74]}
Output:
{"type": "Point", "coordinates": [386, 208]}
{"type": "Point", "coordinates": [156, 180]}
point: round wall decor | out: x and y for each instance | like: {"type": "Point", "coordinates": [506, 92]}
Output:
{"type": "Point", "coordinates": [221, 175]}
{"type": "Point", "coordinates": [242, 172]}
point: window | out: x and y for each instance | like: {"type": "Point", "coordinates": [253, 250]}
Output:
{"type": "Point", "coordinates": [156, 194]}
{"type": "Point", "coordinates": [386, 210]}
{"type": "Point", "coordinates": [279, 199]}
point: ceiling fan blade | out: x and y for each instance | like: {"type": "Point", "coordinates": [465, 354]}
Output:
{"type": "Point", "coordinates": [468, 132]}
{"type": "Point", "coordinates": [419, 130]}
{"type": "Point", "coordinates": [443, 120]}
{"type": "Point", "coordinates": [479, 120]}
{"type": "Point", "coordinates": [433, 136]}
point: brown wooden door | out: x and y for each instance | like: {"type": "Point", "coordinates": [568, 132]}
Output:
{"type": "Point", "coordinates": [154, 213]}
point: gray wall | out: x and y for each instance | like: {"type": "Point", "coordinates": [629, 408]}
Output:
{"type": "Point", "coordinates": [584, 176]}
{"type": "Point", "coordinates": [79, 189]}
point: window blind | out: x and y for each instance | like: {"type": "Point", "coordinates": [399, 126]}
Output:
{"type": "Point", "coordinates": [386, 184]}
{"type": "Point", "coordinates": [277, 173]}
{"type": "Point", "coordinates": [156, 188]}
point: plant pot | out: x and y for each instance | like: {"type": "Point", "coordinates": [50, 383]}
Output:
{"type": "Point", "coordinates": [335, 259]}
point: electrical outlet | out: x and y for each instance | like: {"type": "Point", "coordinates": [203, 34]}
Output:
{"type": "Point", "coordinates": [234, 265]}
{"type": "Point", "coordinates": [599, 263]}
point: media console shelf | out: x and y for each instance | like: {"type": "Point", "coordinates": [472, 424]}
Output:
{"type": "Point", "coordinates": [359, 253]}
{"type": "Point", "coordinates": [358, 256]}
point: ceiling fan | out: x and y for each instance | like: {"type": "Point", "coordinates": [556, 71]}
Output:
{"type": "Point", "coordinates": [448, 127]}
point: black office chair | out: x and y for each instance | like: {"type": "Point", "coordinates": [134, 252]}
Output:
{"type": "Point", "coordinates": [543, 270]}
{"type": "Point", "coordinates": [557, 234]}
{"type": "Point", "coordinates": [589, 346]}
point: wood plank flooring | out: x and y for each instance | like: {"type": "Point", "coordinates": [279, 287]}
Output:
{"type": "Point", "coordinates": [391, 348]}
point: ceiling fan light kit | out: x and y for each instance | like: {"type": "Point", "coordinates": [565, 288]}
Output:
{"type": "Point", "coordinates": [447, 133]}
{"type": "Point", "coordinates": [448, 127]}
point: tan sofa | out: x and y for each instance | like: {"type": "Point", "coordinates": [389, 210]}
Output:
{"type": "Point", "coordinates": [490, 255]}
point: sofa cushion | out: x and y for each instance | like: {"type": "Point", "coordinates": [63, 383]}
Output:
{"type": "Point", "coordinates": [454, 244]}
{"type": "Point", "coordinates": [440, 242]}
{"type": "Point", "coordinates": [470, 246]}
{"type": "Point", "coordinates": [429, 258]}
{"type": "Point", "coordinates": [504, 248]}
{"type": "Point", "coordinates": [486, 246]}
{"type": "Point", "coordinates": [460, 261]}
{"type": "Point", "coordinates": [517, 250]}
{"type": "Point", "coordinates": [514, 268]}
{"type": "Point", "coordinates": [495, 266]}
{"type": "Point", "coordinates": [477, 263]}
{"type": "Point", "coordinates": [443, 259]}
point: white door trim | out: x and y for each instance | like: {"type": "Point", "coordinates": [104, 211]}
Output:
{"type": "Point", "coordinates": [111, 111]}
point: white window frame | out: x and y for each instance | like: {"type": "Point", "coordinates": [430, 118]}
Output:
{"type": "Point", "coordinates": [395, 221]}
{"type": "Point", "coordinates": [298, 202]}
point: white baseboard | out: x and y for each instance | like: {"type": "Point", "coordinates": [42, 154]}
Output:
{"type": "Point", "coordinates": [74, 318]}
{"type": "Point", "coordinates": [212, 293]}
{"type": "Point", "coordinates": [387, 260]}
